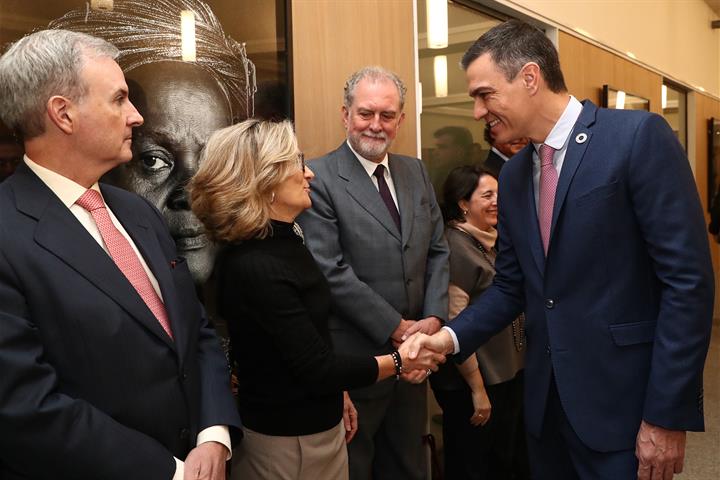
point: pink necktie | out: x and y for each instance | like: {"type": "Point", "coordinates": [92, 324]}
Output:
{"type": "Point", "coordinates": [124, 256]}
{"type": "Point", "coordinates": [548, 186]}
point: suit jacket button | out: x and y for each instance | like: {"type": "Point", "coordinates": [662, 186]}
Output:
{"type": "Point", "coordinates": [408, 281]}
{"type": "Point", "coordinates": [547, 349]}
{"type": "Point", "coordinates": [406, 247]}
{"type": "Point", "coordinates": [184, 434]}
{"type": "Point", "coordinates": [549, 303]}
{"type": "Point", "coordinates": [183, 376]}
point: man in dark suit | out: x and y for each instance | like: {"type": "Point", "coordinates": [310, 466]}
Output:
{"type": "Point", "coordinates": [603, 247]}
{"type": "Point", "coordinates": [453, 147]}
{"type": "Point", "coordinates": [110, 369]}
{"type": "Point", "coordinates": [375, 230]}
{"type": "Point", "coordinates": [500, 152]}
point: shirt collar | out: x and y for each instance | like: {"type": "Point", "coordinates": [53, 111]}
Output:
{"type": "Point", "coordinates": [369, 165]}
{"type": "Point", "coordinates": [558, 136]}
{"type": "Point", "coordinates": [66, 190]}
{"type": "Point", "coordinates": [500, 154]}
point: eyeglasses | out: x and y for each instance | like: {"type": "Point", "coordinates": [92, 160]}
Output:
{"type": "Point", "coordinates": [301, 161]}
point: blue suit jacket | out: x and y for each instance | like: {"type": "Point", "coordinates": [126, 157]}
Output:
{"type": "Point", "coordinates": [620, 311]}
{"type": "Point", "coordinates": [91, 385]}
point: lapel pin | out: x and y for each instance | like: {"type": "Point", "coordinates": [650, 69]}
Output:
{"type": "Point", "coordinates": [581, 138]}
{"type": "Point", "coordinates": [173, 263]}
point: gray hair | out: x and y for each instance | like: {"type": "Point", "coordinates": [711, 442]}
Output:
{"type": "Point", "coordinates": [150, 32]}
{"type": "Point", "coordinates": [39, 66]}
{"type": "Point", "coordinates": [374, 74]}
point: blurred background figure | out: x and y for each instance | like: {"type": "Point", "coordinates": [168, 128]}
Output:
{"type": "Point", "coordinates": [251, 185]}
{"type": "Point", "coordinates": [500, 152]}
{"type": "Point", "coordinates": [483, 433]}
{"type": "Point", "coordinates": [453, 147]}
{"type": "Point", "coordinates": [182, 103]}
{"type": "Point", "coordinates": [10, 157]}
{"type": "Point", "coordinates": [714, 225]}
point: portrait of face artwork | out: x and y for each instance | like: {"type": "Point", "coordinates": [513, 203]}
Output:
{"type": "Point", "coordinates": [236, 73]}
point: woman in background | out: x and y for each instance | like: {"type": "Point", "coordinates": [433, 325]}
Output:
{"type": "Point", "coordinates": [483, 434]}
{"type": "Point", "coordinates": [251, 185]}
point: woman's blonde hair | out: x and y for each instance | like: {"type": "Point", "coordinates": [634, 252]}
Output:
{"type": "Point", "coordinates": [231, 192]}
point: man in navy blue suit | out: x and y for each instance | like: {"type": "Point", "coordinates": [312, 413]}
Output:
{"type": "Point", "coordinates": [109, 367]}
{"type": "Point", "coordinates": [602, 245]}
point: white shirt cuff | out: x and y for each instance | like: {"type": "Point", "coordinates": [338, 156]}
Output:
{"type": "Point", "coordinates": [219, 434]}
{"type": "Point", "coordinates": [216, 433]}
{"type": "Point", "coordinates": [456, 344]}
{"type": "Point", "coordinates": [179, 470]}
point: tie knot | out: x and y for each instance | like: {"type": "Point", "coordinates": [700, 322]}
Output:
{"type": "Point", "coordinates": [90, 200]}
{"type": "Point", "coordinates": [379, 171]}
{"type": "Point", "coordinates": [546, 155]}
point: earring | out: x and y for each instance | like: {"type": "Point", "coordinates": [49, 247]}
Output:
{"type": "Point", "coordinates": [272, 197]}
{"type": "Point", "coordinates": [464, 212]}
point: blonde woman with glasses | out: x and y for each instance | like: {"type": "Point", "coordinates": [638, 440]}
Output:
{"type": "Point", "coordinates": [252, 184]}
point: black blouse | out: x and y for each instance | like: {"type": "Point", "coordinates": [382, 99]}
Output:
{"type": "Point", "coordinates": [276, 303]}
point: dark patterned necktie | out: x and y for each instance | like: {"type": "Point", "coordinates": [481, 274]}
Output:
{"type": "Point", "coordinates": [384, 190]}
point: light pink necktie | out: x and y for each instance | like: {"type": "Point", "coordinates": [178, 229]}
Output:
{"type": "Point", "coordinates": [124, 256]}
{"type": "Point", "coordinates": [548, 186]}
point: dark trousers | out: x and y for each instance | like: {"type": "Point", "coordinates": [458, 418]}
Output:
{"type": "Point", "coordinates": [392, 419]}
{"type": "Point", "coordinates": [559, 454]}
{"type": "Point", "coordinates": [494, 451]}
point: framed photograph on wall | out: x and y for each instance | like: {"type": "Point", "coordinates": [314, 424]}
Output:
{"type": "Point", "coordinates": [192, 67]}
{"type": "Point", "coordinates": [622, 100]}
{"type": "Point", "coordinates": [713, 159]}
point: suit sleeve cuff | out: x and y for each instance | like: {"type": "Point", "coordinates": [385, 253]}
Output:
{"type": "Point", "coordinates": [456, 344]}
{"type": "Point", "coordinates": [179, 470]}
{"type": "Point", "coordinates": [219, 434]}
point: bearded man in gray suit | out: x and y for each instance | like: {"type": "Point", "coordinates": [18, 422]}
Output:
{"type": "Point", "coordinates": [376, 231]}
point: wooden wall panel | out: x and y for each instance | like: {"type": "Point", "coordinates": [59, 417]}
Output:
{"type": "Point", "coordinates": [706, 107]}
{"type": "Point", "coordinates": [332, 39]}
{"type": "Point", "coordinates": [587, 68]}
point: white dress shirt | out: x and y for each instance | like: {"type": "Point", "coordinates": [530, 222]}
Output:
{"type": "Point", "coordinates": [500, 154]}
{"type": "Point", "coordinates": [370, 167]}
{"type": "Point", "coordinates": [558, 138]}
{"type": "Point", "coordinates": [69, 192]}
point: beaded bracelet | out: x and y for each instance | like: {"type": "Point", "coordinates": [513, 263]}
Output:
{"type": "Point", "coordinates": [397, 360]}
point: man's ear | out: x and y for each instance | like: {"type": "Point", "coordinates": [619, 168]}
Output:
{"type": "Point", "coordinates": [530, 76]}
{"type": "Point", "coordinates": [61, 113]}
{"type": "Point", "coordinates": [400, 120]}
{"type": "Point", "coordinates": [345, 116]}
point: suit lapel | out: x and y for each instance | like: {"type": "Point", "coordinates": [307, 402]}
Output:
{"type": "Point", "coordinates": [401, 179]}
{"type": "Point", "coordinates": [147, 243]}
{"type": "Point", "coordinates": [362, 189]}
{"type": "Point", "coordinates": [577, 145]}
{"type": "Point", "coordinates": [59, 232]}
{"type": "Point", "coordinates": [535, 240]}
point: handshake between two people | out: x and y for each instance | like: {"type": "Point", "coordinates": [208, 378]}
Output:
{"type": "Point", "coordinates": [422, 346]}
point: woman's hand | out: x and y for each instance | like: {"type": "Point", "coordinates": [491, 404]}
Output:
{"type": "Point", "coordinates": [350, 418]}
{"type": "Point", "coordinates": [426, 360]}
{"type": "Point", "coordinates": [481, 402]}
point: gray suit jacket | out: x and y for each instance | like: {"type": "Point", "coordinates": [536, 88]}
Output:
{"type": "Point", "coordinates": [377, 274]}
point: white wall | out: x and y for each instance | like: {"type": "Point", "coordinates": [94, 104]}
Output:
{"type": "Point", "coordinates": [672, 36]}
